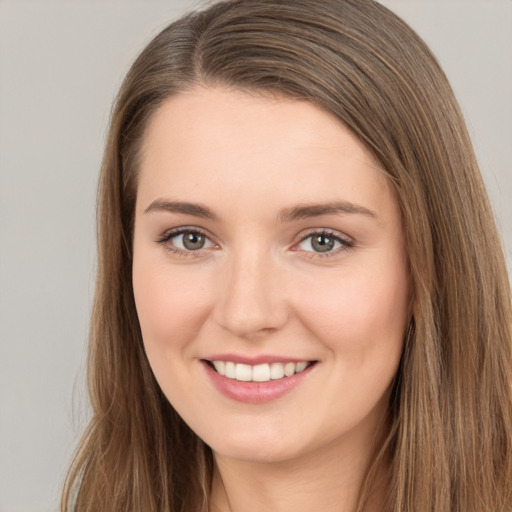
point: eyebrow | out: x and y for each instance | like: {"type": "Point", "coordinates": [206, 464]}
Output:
{"type": "Point", "coordinates": [286, 215]}
{"type": "Point", "coordinates": [195, 209]}
{"type": "Point", "coordinates": [317, 210]}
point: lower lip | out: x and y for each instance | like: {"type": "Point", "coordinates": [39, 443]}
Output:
{"type": "Point", "coordinates": [256, 392]}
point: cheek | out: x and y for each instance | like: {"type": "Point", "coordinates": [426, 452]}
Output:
{"type": "Point", "coordinates": [360, 318]}
{"type": "Point", "coordinates": [170, 305]}
{"type": "Point", "coordinates": [359, 311]}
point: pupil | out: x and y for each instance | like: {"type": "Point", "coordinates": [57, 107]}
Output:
{"type": "Point", "coordinates": [322, 243]}
{"type": "Point", "coordinates": [193, 241]}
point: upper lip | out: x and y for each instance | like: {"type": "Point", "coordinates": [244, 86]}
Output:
{"type": "Point", "coordinates": [255, 360]}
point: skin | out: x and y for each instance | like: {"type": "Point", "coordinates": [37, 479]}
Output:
{"type": "Point", "coordinates": [258, 286]}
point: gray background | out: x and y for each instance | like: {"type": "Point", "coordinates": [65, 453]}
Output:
{"type": "Point", "coordinates": [61, 63]}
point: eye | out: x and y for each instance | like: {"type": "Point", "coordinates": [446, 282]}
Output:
{"type": "Point", "coordinates": [185, 240]}
{"type": "Point", "coordinates": [323, 242]}
{"type": "Point", "coordinates": [189, 240]}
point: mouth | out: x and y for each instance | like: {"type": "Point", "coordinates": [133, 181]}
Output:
{"type": "Point", "coordinates": [257, 380]}
{"type": "Point", "coordinates": [264, 372]}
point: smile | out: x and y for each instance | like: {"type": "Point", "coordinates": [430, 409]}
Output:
{"type": "Point", "coordinates": [260, 372]}
{"type": "Point", "coordinates": [256, 383]}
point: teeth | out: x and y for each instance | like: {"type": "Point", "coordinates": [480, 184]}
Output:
{"type": "Point", "coordinates": [229, 370]}
{"type": "Point", "coordinates": [258, 373]}
{"type": "Point", "coordinates": [220, 367]}
{"type": "Point", "coordinates": [301, 366]}
{"type": "Point", "coordinates": [276, 371]}
{"type": "Point", "coordinates": [261, 373]}
{"type": "Point", "coordinates": [289, 369]}
{"type": "Point", "coordinates": [243, 372]}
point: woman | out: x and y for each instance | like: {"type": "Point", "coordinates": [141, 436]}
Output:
{"type": "Point", "coordinates": [302, 301]}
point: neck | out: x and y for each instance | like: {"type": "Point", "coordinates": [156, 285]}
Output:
{"type": "Point", "coordinates": [329, 479]}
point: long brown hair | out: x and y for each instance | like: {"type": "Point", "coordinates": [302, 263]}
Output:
{"type": "Point", "coordinates": [450, 442]}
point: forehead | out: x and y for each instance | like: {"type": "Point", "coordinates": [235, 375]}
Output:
{"type": "Point", "coordinates": [218, 143]}
{"type": "Point", "coordinates": [225, 117]}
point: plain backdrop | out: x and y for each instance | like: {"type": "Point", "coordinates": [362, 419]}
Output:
{"type": "Point", "coordinates": [61, 63]}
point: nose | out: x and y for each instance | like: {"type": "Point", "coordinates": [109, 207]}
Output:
{"type": "Point", "coordinates": [252, 301]}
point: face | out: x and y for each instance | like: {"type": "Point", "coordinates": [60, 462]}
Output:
{"type": "Point", "coordinates": [269, 274]}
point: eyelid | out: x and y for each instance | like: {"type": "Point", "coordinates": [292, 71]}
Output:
{"type": "Point", "coordinates": [345, 241]}
{"type": "Point", "coordinates": [165, 238]}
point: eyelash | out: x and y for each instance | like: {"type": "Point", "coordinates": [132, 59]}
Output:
{"type": "Point", "coordinates": [345, 243]}
{"type": "Point", "coordinates": [165, 239]}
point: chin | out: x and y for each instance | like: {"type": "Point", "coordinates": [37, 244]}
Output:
{"type": "Point", "coordinates": [262, 447]}
{"type": "Point", "coordinates": [257, 454]}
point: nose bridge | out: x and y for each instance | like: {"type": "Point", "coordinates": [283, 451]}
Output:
{"type": "Point", "coordinates": [252, 301]}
